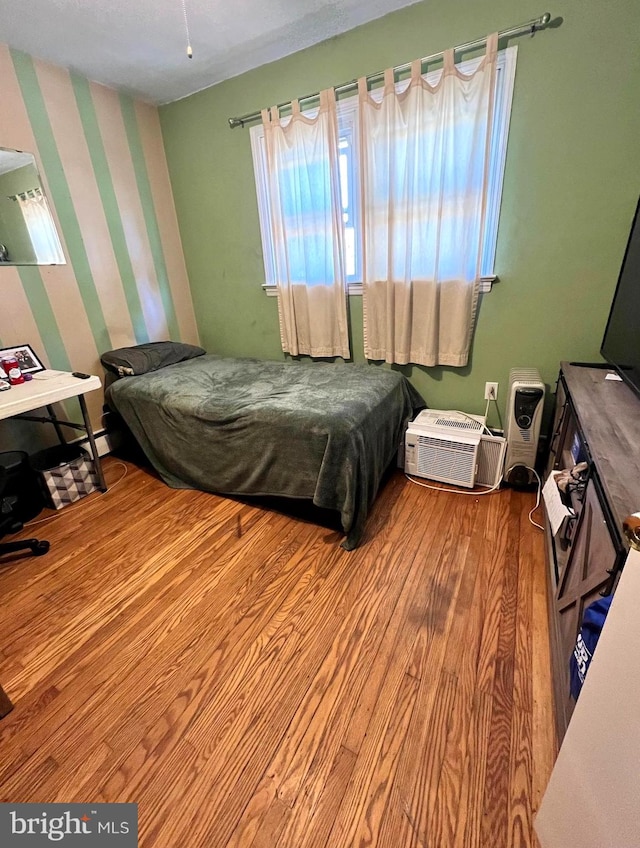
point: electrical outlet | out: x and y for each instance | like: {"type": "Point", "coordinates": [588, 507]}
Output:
{"type": "Point", "coordinates": [491, 391]}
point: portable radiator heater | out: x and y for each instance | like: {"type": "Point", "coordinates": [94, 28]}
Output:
{"type": "Point", "coordinates": [452, 447]}
{"type": "Point", "coordinates": [524, 416]}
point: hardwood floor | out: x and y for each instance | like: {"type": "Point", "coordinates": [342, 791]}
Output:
{"type": "Point", "coordinates": [250, 683]}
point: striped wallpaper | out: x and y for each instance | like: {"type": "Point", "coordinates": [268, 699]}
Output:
{"type": "Point", "coordinates": [102, 163]}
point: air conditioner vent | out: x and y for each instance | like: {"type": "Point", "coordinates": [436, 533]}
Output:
{"type": "Point", "coordinates": [447, 444]}
{"type": "Point", "coordinates": [490, 460]}
{"type": "Point", "coordinates": [464, 424]}
{"type": "Point", "coordinates": [444, 460]}
{"type": "Point", "coordinates": [451, 420]}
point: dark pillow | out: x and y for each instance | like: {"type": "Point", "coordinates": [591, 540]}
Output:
{"type": "Point", "coordinates": [131, 361]}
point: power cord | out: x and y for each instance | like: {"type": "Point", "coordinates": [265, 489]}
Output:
{"type": "Point", "coordinates": [498, 414]}
{"type": "Point", "coordinates": [489, 491]}
{"type": "Point", "coordinates": [535, 524]}
{"type": "Point", "coordinates": [486, 414]}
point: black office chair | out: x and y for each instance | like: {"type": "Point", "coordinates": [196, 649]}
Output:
{"type": "Point", "coordinates": [10, 524]}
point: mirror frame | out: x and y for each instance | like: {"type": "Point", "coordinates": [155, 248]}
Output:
{"type": "Point", "coordinates": [25, 214]}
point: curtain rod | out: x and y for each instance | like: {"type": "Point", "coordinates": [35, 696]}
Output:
{"type": "Point", "coordinates": [530, 26]}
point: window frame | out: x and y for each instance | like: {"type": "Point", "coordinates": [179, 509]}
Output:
{"type": "Point", "coordinates": [347, 110]}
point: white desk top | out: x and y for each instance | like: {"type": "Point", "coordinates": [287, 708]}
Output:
{"type": "Point", "coordinates": [46, 387]}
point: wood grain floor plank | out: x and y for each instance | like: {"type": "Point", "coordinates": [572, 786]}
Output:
{"type": "Point", "coordinates": [440, 826]}
{"type": "Point", "coordinates": [254, 694]}
{"type": "Point", "coordinates": [468, 833]}
{"type": "Point", "coordinates": [442, 559]}
{"type": "Point", "coordinates": [252, 685]}
{"type": "Point", "coordinates": [397, 826]}
{"type": "Point", "coordinates": [122, 552]}
{"type": "Point", "coordinates": [116, 600]}
{"type": "Point", "coordinates": [493, 601]}
{"type": "Point", "coordinates": [423, 754]}
{"type": "Point", "coordinates": [446, 561]}
{"type": "Point", "coordinates": [523, 659]}
{"type": "Point", "coordinates": [369, 824]}
{"type": "Point", "coordinates": [358, 581]}
{"type": "Point", "coordinates": [94, 757]}
{"type": "Point", "coordinates": [156, 689]}
{"type": "Point", "coordinates": [406, 627]}
{"type": "Point", "coordinates": [463, 646]}
{"type": "Point", "coordinates": [417, 784]}
{"type": "Point", "coordinates": [312, 816]}
{"type": "Point", "coordinates": [272, 825]}
{"type": "Point", "coordinates": [254, 815]}
{"type": "Point", "coordinates": [496, 804]}
{"type": "Point", "coordinates": [351, 718]}
{"type": "Point", "coordinates": [545, 745]}
{"type": "Point", "coordinates": [128, 650]}
{"type": "Point", "coordinates": [337, 707]}
{"type": "Point", "coordinates": [520, 768]}
{"type": "Point", "coordinates": [178, 691]}
{"type": "Point", "coordinates": [275, 593]}
{"type": "Point", "coordinates": [470, 658]}
{"type": "Point", "coordinates": [25, 578]}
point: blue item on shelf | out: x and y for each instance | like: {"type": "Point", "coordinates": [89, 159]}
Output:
{"type": "Point", "coordinates": [592, 623]}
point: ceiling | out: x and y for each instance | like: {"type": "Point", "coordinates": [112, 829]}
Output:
{"type": "Point", "coordinates": [139, 46]}
{"type": "Point", "coordinates": [12, 159]}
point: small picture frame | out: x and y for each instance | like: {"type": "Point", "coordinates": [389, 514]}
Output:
{"type": "Point", "coordinates": [27, 360]}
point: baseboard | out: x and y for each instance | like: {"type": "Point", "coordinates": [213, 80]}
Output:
{"type": "Point", "coordinates": [106, 441]}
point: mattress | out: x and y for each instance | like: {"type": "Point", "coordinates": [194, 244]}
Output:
{"type": "Point", "coordinates": [321, 431]}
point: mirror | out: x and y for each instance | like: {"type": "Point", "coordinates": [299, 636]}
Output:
{"type": "Point", "coordinates": [28, 234]}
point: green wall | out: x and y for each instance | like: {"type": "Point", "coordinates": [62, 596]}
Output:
{"type": "Point", "coordinates": [571, 184]}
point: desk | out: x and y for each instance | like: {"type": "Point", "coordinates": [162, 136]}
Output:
{"type": "Point", "coordinates": [45, 389]}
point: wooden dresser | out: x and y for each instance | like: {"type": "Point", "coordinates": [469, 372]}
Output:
{"type": "Point", "coordinates": [597, 421]}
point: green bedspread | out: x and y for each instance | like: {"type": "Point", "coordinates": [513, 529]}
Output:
{"type": "Point", "coordinates": [247, 427]}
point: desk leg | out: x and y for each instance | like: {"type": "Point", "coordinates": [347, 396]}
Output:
{"type": "Point", "coordinates": [56, 424]}
{"type": "Point", "coordinates": [92, 442]}
{"type": "Point", "coordinates": [5, 704]}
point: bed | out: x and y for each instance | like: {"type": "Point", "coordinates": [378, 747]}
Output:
{"type": "Point", "coordinates": [325, 432]}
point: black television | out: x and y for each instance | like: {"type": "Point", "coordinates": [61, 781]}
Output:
{"type": "Point", "coordinates": [621, 342]}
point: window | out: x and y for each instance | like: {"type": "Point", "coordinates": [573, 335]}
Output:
{"type": "Point", "coordinates": [349, 182]}
{"type": "Point", "coordinates": [350, 195]}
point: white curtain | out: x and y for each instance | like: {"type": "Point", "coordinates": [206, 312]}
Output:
{"type": "Point", "coordinates": [425, 157]}
{"type": "Point", "coordinates": [304, 197]}
{"type": "Point", "coordinates": [41, 228]}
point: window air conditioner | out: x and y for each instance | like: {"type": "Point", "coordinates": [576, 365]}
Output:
{"type": "Point", "coordinates": [452, 447]}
